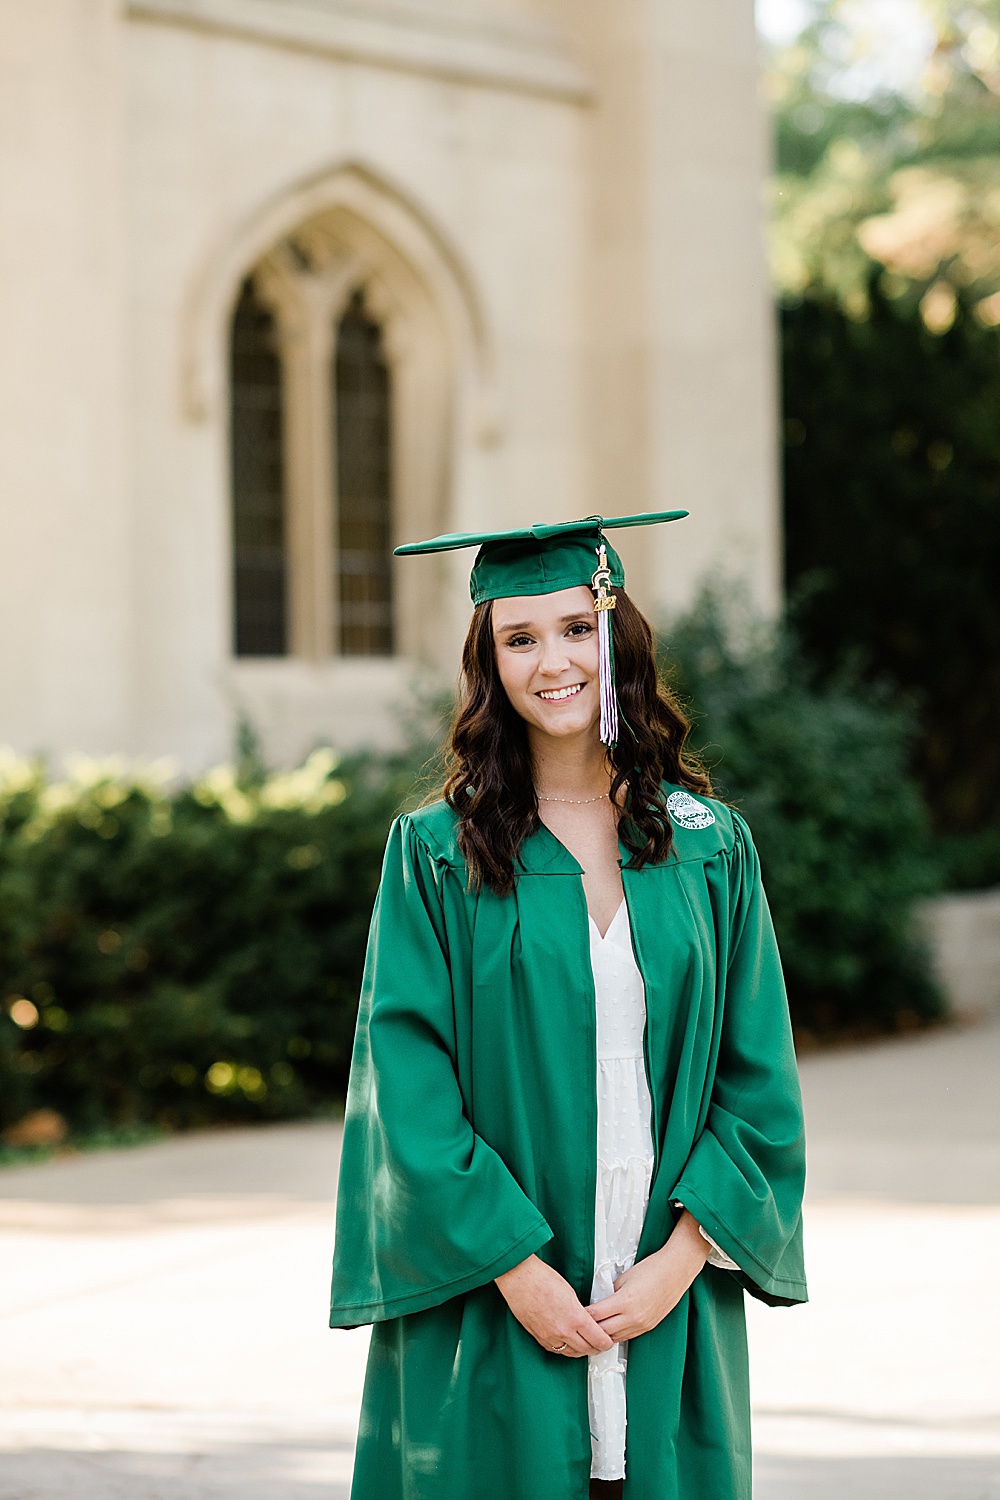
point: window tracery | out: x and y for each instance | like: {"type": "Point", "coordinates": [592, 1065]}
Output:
{"type": "Point", "coordinates": [311, 438]}
{"type": "Point", "coordinates": [367, 397]}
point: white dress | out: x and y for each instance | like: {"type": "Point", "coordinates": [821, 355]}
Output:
{"type": "Point", "coordinates": [624, 1169]}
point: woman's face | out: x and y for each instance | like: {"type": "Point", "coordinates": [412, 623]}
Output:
{"type": "Point", "coordinates": [546, 651]}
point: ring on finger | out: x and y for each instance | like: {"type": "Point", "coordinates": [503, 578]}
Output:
{"type": "Point", "coordinates": [559, 1348]}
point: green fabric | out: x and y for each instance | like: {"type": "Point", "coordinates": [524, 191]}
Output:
{"type": "Point", "coordinates": [539, 559]}
{"type": "Point", "coordinates": [470, 1141]}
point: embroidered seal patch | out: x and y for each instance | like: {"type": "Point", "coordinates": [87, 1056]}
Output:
{"type": "Point", "coordinates": [687, 813]}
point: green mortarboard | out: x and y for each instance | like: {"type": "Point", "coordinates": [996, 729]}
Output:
{"type": "Point", "coordinates": [539, 559]}
{"type": "Point", "coordinates": [542, 559]}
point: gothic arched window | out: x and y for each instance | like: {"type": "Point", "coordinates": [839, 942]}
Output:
{"type": "Point", "coordinates": [257, 458]}
{"type": "Point", "coordinates": [363, 544]}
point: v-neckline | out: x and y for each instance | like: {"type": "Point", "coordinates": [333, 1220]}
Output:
{"type": "Point", "coordinates": [603, 936]}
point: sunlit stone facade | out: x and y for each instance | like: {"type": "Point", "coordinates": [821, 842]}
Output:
{"type": "Point", "coordinates": [504, 262]}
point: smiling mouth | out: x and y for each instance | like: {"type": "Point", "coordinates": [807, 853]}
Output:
{"type": "Point", "coordinates": [559, 695]}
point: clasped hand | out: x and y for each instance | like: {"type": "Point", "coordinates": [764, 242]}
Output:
{"type": "Point", "coordinates": [546, 1305]}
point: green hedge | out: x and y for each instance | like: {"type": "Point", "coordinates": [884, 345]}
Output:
{"type": "Point", "coordinates": [177, 955]}
{"type": "Point", "coordinates": [821, 773]}
{"type": "Point", "coordinates": [192, 954]}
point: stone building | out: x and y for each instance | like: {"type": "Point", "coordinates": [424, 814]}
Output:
{"type": "Point", "coordinates": [284, 282]}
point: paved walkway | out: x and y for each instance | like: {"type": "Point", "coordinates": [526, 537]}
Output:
{"type": "Point", "coordinates": [162, 1310]}
{"type": "Point", "coordinates": [887, 1385]}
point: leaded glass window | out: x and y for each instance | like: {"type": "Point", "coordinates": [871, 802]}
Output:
{"type": "Point", "coordinates": [364, 486]}
{"type": "Point", "coordinates": [259, 548]}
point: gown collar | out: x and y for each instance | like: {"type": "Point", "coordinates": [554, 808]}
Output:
{"type": "Point", "coordinates": [543, 854]}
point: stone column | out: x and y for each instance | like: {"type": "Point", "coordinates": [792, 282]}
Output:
{"type": "Point", "coordinates": [64, 524]}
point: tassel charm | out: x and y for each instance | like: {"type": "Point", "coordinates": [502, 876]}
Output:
{"type": "Point", "coordinates": [604, 603]}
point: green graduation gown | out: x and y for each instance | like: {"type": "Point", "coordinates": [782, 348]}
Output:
{"type": "Point", "coordinates": [470, 1142]}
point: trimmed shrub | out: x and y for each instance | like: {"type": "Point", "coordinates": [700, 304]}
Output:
{"type": "Point", "coordinates": [820, 773]}
{"type": "Point", "coordinates": [189, 954]}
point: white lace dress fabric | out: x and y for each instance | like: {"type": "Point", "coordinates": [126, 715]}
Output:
{"type": "Point", "coordinates": [624, 1170]}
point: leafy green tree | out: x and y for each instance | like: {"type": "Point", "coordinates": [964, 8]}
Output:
{"type": "Point", "coordinates": [901, 178]}
{"type": "Point", "coordinates": [887, 262]}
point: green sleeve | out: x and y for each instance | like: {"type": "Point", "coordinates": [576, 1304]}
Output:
{"type": "Point", "coordinates": [426, 1209]}
{"type": "Point", "coordinates": [745, 1176]}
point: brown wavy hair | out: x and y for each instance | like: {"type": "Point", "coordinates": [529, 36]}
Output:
{"type": "Point", "coordinates": [490, 785]}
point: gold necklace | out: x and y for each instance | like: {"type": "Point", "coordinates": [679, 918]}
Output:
{"type": "Point", "coordinates": [579, 801]}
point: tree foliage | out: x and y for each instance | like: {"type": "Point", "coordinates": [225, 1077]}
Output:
{"type": "Point", "coordinates": [892, 519]}
{"type": "Point", "coordinates": [820, 773]}
{"type": "Point", "coordinates": [904, 178]}
{"type": "Point", "coordinates": [887, 258]}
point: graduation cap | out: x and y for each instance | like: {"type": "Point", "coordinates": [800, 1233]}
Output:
{"type": "Point", "coordinates": [544, 558]}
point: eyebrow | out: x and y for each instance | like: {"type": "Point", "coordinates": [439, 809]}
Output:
{"type": "Point", "coordinates": [578, 614]}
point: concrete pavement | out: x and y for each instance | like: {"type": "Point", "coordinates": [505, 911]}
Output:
{"type": "Point", "coordinates": [162, 1309]}
{"type": "Point", "coordinates": [887, 1385]}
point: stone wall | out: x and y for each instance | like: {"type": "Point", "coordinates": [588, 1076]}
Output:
{"type": "Point", "coordinates": [66, 601]}
{"type": "Point", "coordinates": [963, 931]}
{"type": "Point", "coordinates": [555, 206]}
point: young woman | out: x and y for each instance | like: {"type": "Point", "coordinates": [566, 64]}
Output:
{"type": "Point", "coordinates": [573, 1135]}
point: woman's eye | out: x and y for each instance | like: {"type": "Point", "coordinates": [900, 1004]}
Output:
{"type": "Point", "coordinates": [580, 627]}
{"type": "Point", "coordinates": [519, 640]}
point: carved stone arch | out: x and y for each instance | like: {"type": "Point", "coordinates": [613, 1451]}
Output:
{"type": "Point", "coordinates": [307, 253]}
{"type": "Point", "coordinates": [383, 213]}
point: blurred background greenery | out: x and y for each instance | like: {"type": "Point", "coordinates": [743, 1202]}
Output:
{"type": "Point", "coordinates": [182, 954]}
{"type": "Point", "coordinates": [886, 253]}
{"type": "Point", "coordinates": [178, 954]}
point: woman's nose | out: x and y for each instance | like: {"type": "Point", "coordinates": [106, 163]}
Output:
{"type": "Point", "coordinates": [553, 658]}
